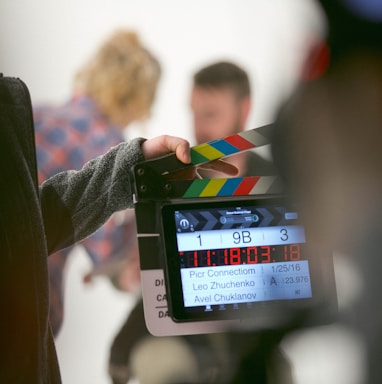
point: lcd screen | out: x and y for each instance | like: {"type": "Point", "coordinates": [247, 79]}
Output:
{"type": "Point", "coordinates": [226, 259]}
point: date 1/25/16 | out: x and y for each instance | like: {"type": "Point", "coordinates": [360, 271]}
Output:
{"type": "Point", "coordinates": [244, 255]}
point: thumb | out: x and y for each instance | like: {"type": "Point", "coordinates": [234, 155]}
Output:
{"type": "Point", "coordinates": [165, 144]}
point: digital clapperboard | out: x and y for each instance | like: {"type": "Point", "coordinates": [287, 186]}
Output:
{"type": "Point", "coordinates": [226, 254]}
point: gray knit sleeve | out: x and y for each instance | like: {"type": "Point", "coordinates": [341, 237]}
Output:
{"type": "Point", "coordinates": [81, 201]}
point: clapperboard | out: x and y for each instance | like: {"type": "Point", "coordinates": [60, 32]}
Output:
{"type": "Point", "coordinates": [226, 253]}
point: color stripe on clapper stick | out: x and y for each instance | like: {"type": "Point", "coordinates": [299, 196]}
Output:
{"type": "Point", "coordinates": [230, 145]}
{"type": "Point", "coordinates": [239, 186]}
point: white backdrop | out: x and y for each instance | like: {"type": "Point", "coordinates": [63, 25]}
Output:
{"type": "Point", "coordinates": [45, 41]}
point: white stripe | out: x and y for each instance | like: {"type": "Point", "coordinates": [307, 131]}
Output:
{"type": "Point", "coordinates": [263, 185]}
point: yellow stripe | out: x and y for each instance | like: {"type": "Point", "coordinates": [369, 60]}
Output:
{"type": "Point", "coordinates": [213, 187]}
{"type": "Point", "coordinates": [208, 151]}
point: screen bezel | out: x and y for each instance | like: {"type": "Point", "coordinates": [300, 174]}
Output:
{"type": "Point", "coordinates": [320, 267]}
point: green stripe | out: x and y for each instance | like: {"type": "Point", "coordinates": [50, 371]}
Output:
{"type": "Point", "coordinates": [197, 158]}
{"type": "Point", "coordinates": [196, 188]}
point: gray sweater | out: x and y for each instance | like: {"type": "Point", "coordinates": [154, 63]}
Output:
{"type": "Point", "coordinates": [87, 198]}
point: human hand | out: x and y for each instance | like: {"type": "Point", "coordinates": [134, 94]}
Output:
{"type": "Point", "coordinates": [162, 145]}
{"type": "Point", "coordinates": [213, 169]}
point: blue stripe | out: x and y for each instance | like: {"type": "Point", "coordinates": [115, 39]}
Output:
{"type": "Point", "coordinates": [223, 146]}
{"type": "Point", "coordinates": [230, 186]}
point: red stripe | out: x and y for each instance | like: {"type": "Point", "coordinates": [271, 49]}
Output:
{"type": "Point", "coordinates": [246, 186]}
{"type": "Point", "coordinates": [239, 142]}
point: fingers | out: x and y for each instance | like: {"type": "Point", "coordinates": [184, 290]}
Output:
{"type": "Point", "coordinates": [212, 170]}
{"type": "Point", "coordinates": [182, 151]}
{"type": "Point", "coordinates": [221, 166]}
{"type": "Point", "coordinates": [184, 174]}
{"type": "Point", "coordinates": [165, 144]}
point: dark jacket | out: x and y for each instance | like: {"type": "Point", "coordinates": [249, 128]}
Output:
{"type": "Point", "coordinates": [36, 221]}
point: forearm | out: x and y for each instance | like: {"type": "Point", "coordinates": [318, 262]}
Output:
{"type": "Point", "coordinates": [76, 203]}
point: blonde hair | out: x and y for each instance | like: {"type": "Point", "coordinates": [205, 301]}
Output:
{"type": "Point", "coordinates": [121, 78]}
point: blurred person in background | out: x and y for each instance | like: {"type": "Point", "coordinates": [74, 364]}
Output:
{"type": "Point", "coordinates": [220, 100]}
{"type": "Point", "coordinates": [114, 88]}
{"type": "Point", "coordinates": [327, 144]}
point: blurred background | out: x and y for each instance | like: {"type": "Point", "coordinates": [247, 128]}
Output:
{"type": "Point", "coordinates": [45, 41]}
